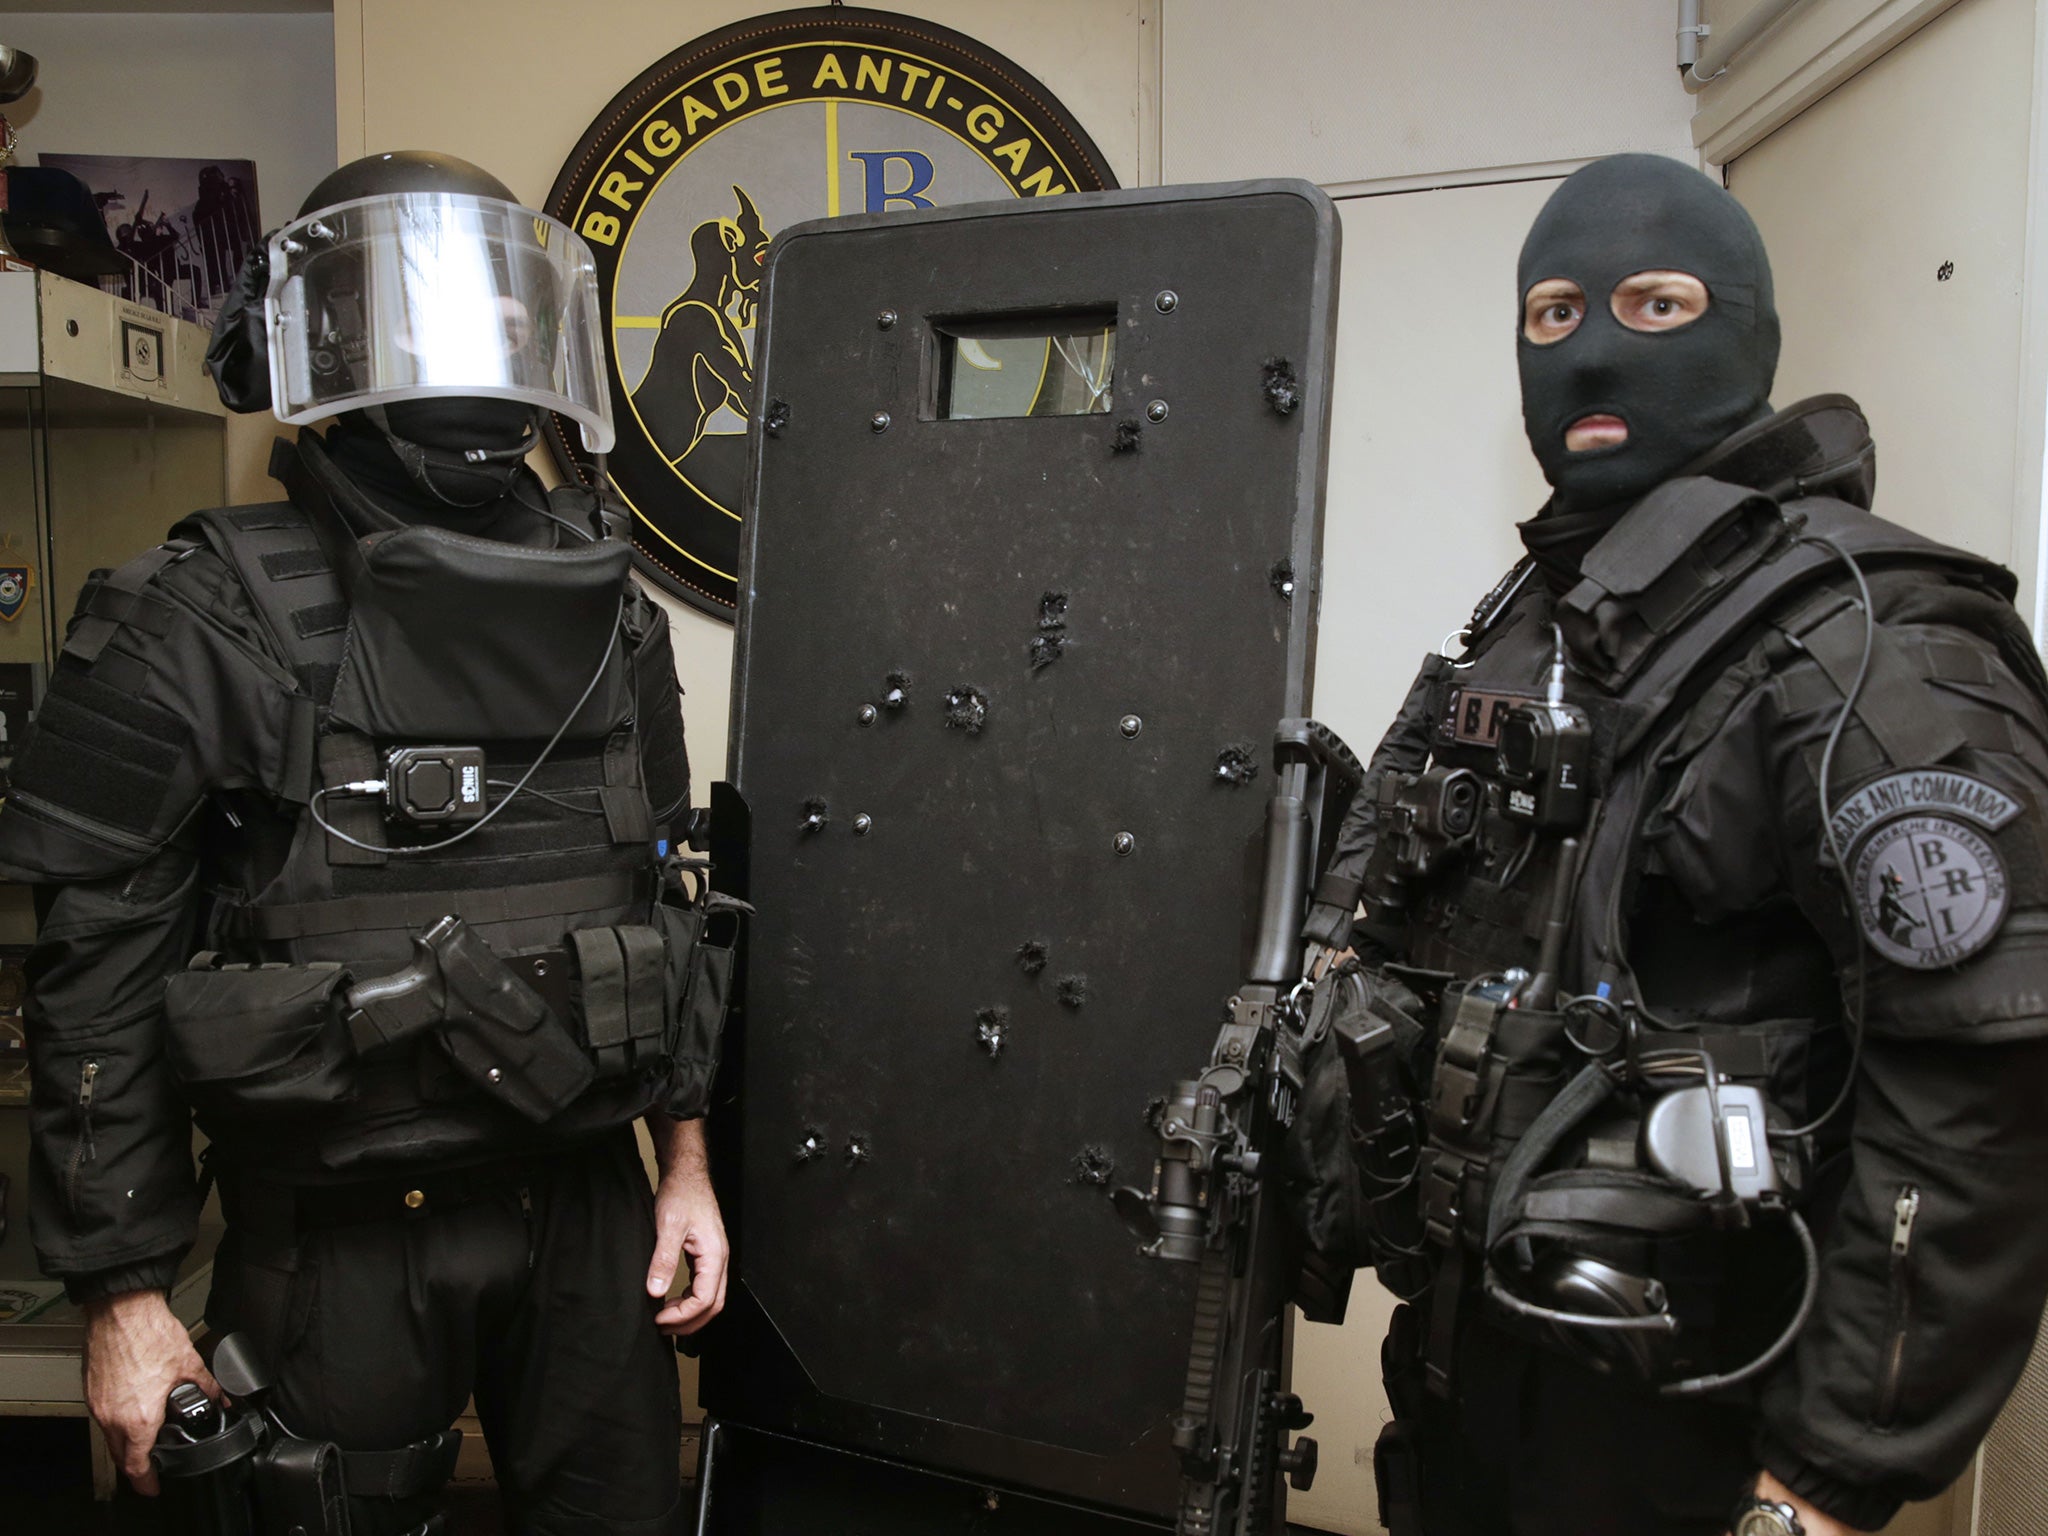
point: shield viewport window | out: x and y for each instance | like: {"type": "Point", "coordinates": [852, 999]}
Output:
{"type": "Point", "coordinates": [1048, 365]}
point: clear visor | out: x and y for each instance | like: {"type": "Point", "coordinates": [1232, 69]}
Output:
{"type": "Point", "coordinates": [424, 294]}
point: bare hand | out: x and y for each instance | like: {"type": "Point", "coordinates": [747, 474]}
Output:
{"type": "Point", "coordinates": [1816, 1523]}
{"type": "Point", "coordinates": [686, 1224]}
{"type": "Point", "coordinates": [136, 1351]}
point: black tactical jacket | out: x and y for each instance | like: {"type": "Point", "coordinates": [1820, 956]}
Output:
{"type": "Point", "coordinates": [1728, 916]}
{"type": "Point", "coordinates": [159, 802]}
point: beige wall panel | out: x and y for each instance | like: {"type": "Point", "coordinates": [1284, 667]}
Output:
{"type": "Point", "coordinates": [1429, 472]}
{"type": "Point", "coordinates": [1343, 91]}
{"type": "Point", "coordinates": [512, 84]}
{"type": "Point", "coordinates": [1864, 201]}
{"type": "Point", "coordinates": [1793, 63]}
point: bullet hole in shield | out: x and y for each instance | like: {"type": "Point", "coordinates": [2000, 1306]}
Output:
{"type": "Point", "coordinates": [812, 1147]}
{"type": "Point", "coordinates": [1126, 438]}
{"type": "Point", "coordinates": [1072, 991]}
{"type": "Point", "coordinates": [858, 1150]}
{"type": "Point", "coordinates": [1237, 765]}
{"type": "Point", "coordinates": [1944, 272]}
{"type": "Point", "coordinates": [776, 419]}
{"type": "Point", "coordinates": [815, 815]}
{"type": "Point", "coordinates": [1031, 956]}
{"type": "Point", "coordinates": [991, 1025]}
{"type": "Point", "coordinates": [1155, 1112]}
{"type": "Point", "coordinates": [966, 709]}
{"type": "Point", "coordinates": [1094, 1164]}
{"type": "Point", "coordinates": [1280, 576]}
{"type": "Point", "coordinates": [1051, 638]}
{"type": "Point", "coordinates": [896, 690]}
{"type": "Point", "coordinates": [1279, 385]}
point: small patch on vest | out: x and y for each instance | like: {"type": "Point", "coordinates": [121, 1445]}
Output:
{"type": "Point", "coordinates": [1472, 718]}
{"type": "Point", "coordinates": [1936, 790]}
{"type": "Point", "coordinates": [1931, 891]}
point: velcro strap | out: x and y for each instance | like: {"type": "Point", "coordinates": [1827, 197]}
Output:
{"type": "Point", "coordinates": [301, 752]}
{"type": "Point", "coordinates": [290, 564]}
{"type": "Point", "coordinates": [1908, 724]}
{"type": "Point", "coordinates": [1335, 890]}
{"type": "Point", "coordinates": [121, 671]}
{"type": "Point", "coordinates": [113, 600]}
{"type": "Point", "coordinates": [320, 619]}
{"type": "Point", "coordinates": [272, 514]}
{"type": "Point", "coordinates": [347, 758]}
{"type": "Point", "coordinates": [646, 980]}
{"type": "Point", "coordinates": [419, 909]}
{"type": "Point", "coordinates": [627, 817]}
{"type": "Point", "coordinates": [406, 1473]}
{"type": "Point", "coordinates": [601, 970]}
{"type": "Point", "coordinates": [1627, 1207]}
{"type": "Point", "coordinates": [138, 610]}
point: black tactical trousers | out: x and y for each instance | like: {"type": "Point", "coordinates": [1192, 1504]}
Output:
{"type": "Point", "coordinates": [1537, 1445]}
{"type": "Point", "coordinates": [525, 1286]}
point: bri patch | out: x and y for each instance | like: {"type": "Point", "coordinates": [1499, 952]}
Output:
{"type": "Point", "coordinates": [1931, 889]}
{"type": "Point", "coordinates": [1472, 718]}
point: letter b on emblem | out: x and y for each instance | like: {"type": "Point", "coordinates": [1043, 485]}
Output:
{"type": "Point", "coordinates": [875, 166]}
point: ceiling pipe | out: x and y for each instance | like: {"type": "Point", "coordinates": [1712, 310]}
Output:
{"type": "Point", "coordinates": [1701, 63]}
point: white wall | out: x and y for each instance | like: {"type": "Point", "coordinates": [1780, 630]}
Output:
{"type": "Point", "coordinates": [246, 86]}
{"type": "Point", "coordinates": [1349, 91]}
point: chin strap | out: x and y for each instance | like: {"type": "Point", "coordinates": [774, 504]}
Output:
{"type": "Point", "coordinates": [494, 466]}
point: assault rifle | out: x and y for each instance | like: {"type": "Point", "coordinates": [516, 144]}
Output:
{"type": "Point", "coordinates": [1214, 1200]}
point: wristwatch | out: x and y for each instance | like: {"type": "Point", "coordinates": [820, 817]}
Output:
{"type": "Point", "coordinates": [1765, 1517]}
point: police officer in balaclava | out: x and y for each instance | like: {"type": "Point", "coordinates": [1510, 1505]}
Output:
{"type": "Point", "coordinates": [354, 822]}
{"type": "Point", "coordinates": [1726, 1030]}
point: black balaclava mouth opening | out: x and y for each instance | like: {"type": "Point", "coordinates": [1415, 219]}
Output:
{"type": "Point", "coordinates": [1680, 392]}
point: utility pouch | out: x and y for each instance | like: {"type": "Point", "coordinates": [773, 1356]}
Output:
{"type": "Point", "coordinates": [259, 1040]}
{"type": "Point", "coordinates": [1337, 1183]}
{"type": "Point", "coordinates": [623, 997]}
{"type": "Point", "coordinates": [701, 940]}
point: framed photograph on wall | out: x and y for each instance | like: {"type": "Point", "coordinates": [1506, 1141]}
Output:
{"type": "Point", "coordinates": [183, 225]}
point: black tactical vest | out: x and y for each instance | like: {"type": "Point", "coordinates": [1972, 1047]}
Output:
{"type": "Point", "coordinates": [1670, 604]}
{"type": "Point", "coordinates": [590, 999]}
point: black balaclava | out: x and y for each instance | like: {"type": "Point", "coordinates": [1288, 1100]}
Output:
{"type": "Point", "coordinates": [415, 463]}
{"type": "Point", "coordinates": [1681, 392]}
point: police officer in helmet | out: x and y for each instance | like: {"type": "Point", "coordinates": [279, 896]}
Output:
{"type": "Point", "coordinates": [355, 821]}
{"type": "Point", "coordinates": [1708, 880]}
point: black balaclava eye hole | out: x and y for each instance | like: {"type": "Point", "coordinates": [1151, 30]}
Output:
{"type": "Point", "coordinates": [1682, 391]}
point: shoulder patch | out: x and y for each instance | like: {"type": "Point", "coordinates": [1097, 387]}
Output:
{"type": "Point", "coordinates": [1931, 890]}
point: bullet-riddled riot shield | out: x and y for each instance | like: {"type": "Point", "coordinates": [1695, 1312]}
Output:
{"type": "Point", "coordinates": [1030, 574]}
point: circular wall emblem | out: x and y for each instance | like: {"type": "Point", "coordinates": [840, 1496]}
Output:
{"type": "Point", "coordinates": [680, 185]}
{"type": "Point", "coordinates": [1930, 891]}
